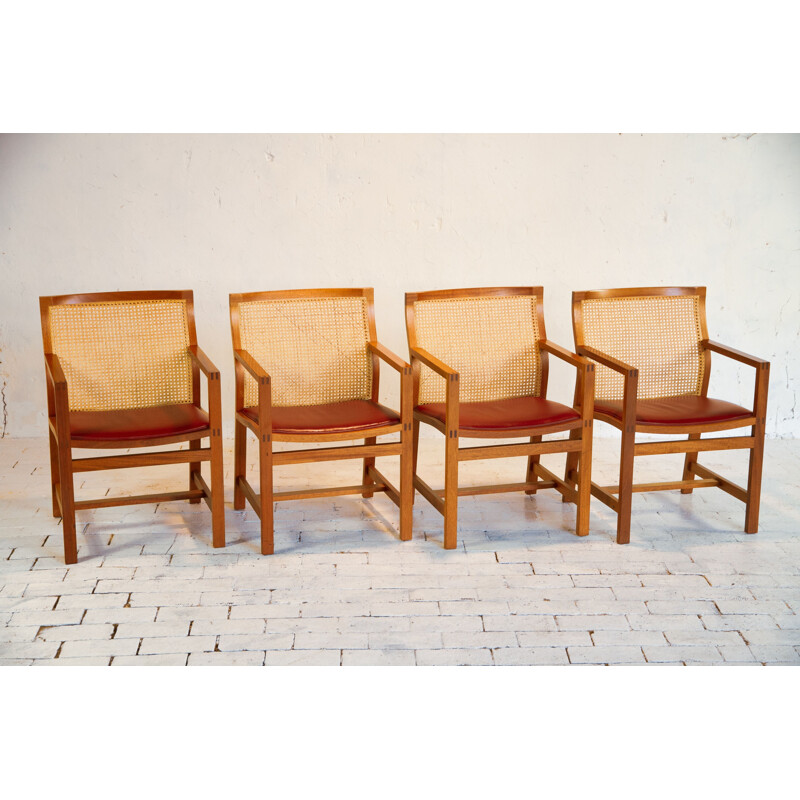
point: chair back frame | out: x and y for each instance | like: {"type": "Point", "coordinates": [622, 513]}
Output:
{"type": "Point", "coordinates": [187, 295]}
{"type": "Point", "coordinates": [235, 300]}
{"type": "Point", "coordinates": [646, 291]}
{"type": "Point", "coordinates": [493, 291]}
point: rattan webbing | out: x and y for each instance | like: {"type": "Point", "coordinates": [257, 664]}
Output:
{"type": "Point", "coordinates": [659, 335]}
{"type": "Point", "coordinates": [123, 354]}
{"type": "Point", "coordinates": [491, 341]}
{"type": "Point", "coordinates": [315, 349]}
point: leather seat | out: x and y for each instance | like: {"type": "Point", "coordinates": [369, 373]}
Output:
{"type": "Point", "coordinates": [516, 413]}
{"type": "Point", "coordinates": [687, 409]}
{"type": "Point", "coordinates": [350, 415]}
{"type": "Point", "coordinates": [136, 423]}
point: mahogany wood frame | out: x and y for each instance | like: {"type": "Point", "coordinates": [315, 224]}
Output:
{"type": "Point", "coordinates": [695, 476]}
{"type": "Point", "coordinates": [63, 466]}
{"type": "Point", "coordinates": [372, 479]}
{"type": "Point", "coordinates": [579, 445]}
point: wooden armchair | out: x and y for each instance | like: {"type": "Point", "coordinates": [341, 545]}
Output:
{"type": "Point", "coordinates": [123, 371]}
{"type": "Point", "coordinates": [653, 361]}
{"type": "Point", "coordinates": [480, 364]}
{"type": "Point", "coordinates": [307, 370]}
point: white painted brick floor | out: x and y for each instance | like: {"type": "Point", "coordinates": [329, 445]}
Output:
{"type": "Point", "coordinates": [341, 589]}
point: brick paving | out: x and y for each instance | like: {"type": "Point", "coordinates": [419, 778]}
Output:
{"type": "Point", "coordinates": [341, 589]}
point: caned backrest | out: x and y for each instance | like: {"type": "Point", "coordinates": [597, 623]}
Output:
{"type": "Point", "coordinates": [313, 344]}
{"type": "Point", "coordinates": [122, 350]}
{"type": "Point", "coordinates": [656, 330]}
{"type": "Point", "coordinates": [489, 336]}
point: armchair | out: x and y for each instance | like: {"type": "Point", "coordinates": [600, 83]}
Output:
{"type": "Point", "coordinates": [123, 371]}
{"type": "Point", "coordinates": [653, 361]}
{"type": "Point", "coordinates": [307, 370]}
{"type": "Point", "coordinates": [480, 364]}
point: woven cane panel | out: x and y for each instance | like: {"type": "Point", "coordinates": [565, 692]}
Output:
{"type": "Point", "coordinates": [127, 354]}
{"type": "Point", "coordinates": [315, 349]}
{"type": "Point", "coordinates": [491, 341]}
{"type": "Point", "coordinates": [658, 335]}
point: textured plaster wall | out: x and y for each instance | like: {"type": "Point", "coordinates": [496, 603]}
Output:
{"type": "Point", "coordinates": [222, 213]}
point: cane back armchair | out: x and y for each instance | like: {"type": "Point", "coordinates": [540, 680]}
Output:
{"type": "Point", "coordinates": [307, 370]}
{"type": "Point", "coordinates": [653, 361]}
{"type": "Point", "coordinates": [479, 359]}
{"type": "Point", "coordinates": [123, 371]}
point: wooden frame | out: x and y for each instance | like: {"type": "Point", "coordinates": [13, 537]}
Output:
{"type": "Point", "coordinates": [618, 497]}
{"type": "Point", "coordinates": [372, 479]}
{"type": "Point", "coordinates": [536, 477]}
{"type": "Point", "coordinates": [63, 465]}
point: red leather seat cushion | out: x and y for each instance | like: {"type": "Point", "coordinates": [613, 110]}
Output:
{"type": "Point", "coordinates": [351, 415]}
{"type": "Point", "coordinates": [505, 415]}
{"type": "Point", "coordinates": [684, 410]}
{"type": "Point", "coordinates": [137, 423]}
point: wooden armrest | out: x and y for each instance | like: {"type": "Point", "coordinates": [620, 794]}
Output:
{"type": "Point", "coordinates": [264, 387]}
{"type": "Point", "coordinates": [387, 355]}
{"type": "Point", "coordinates": [204, 362]}
{"type": "Point", "coordinates": [418, 354]}
{"type": "Point", "coordinates": [251, 365]}
{"type": "Point", "coordinates": [584, 379]}
{"type": "Point", "coordinates": [564, 354]}
{"type": "Point", "coordinates": [736, 355]}
{"type": "Point", "coordinates": [54, 372]}
{"type": "Point", "coordinates": [607, 360]}
{"type": "Point", "coordinates": [59, 396]}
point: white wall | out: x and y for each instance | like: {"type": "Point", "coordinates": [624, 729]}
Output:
{"type": "Point", "coordinates": [223, 213]}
